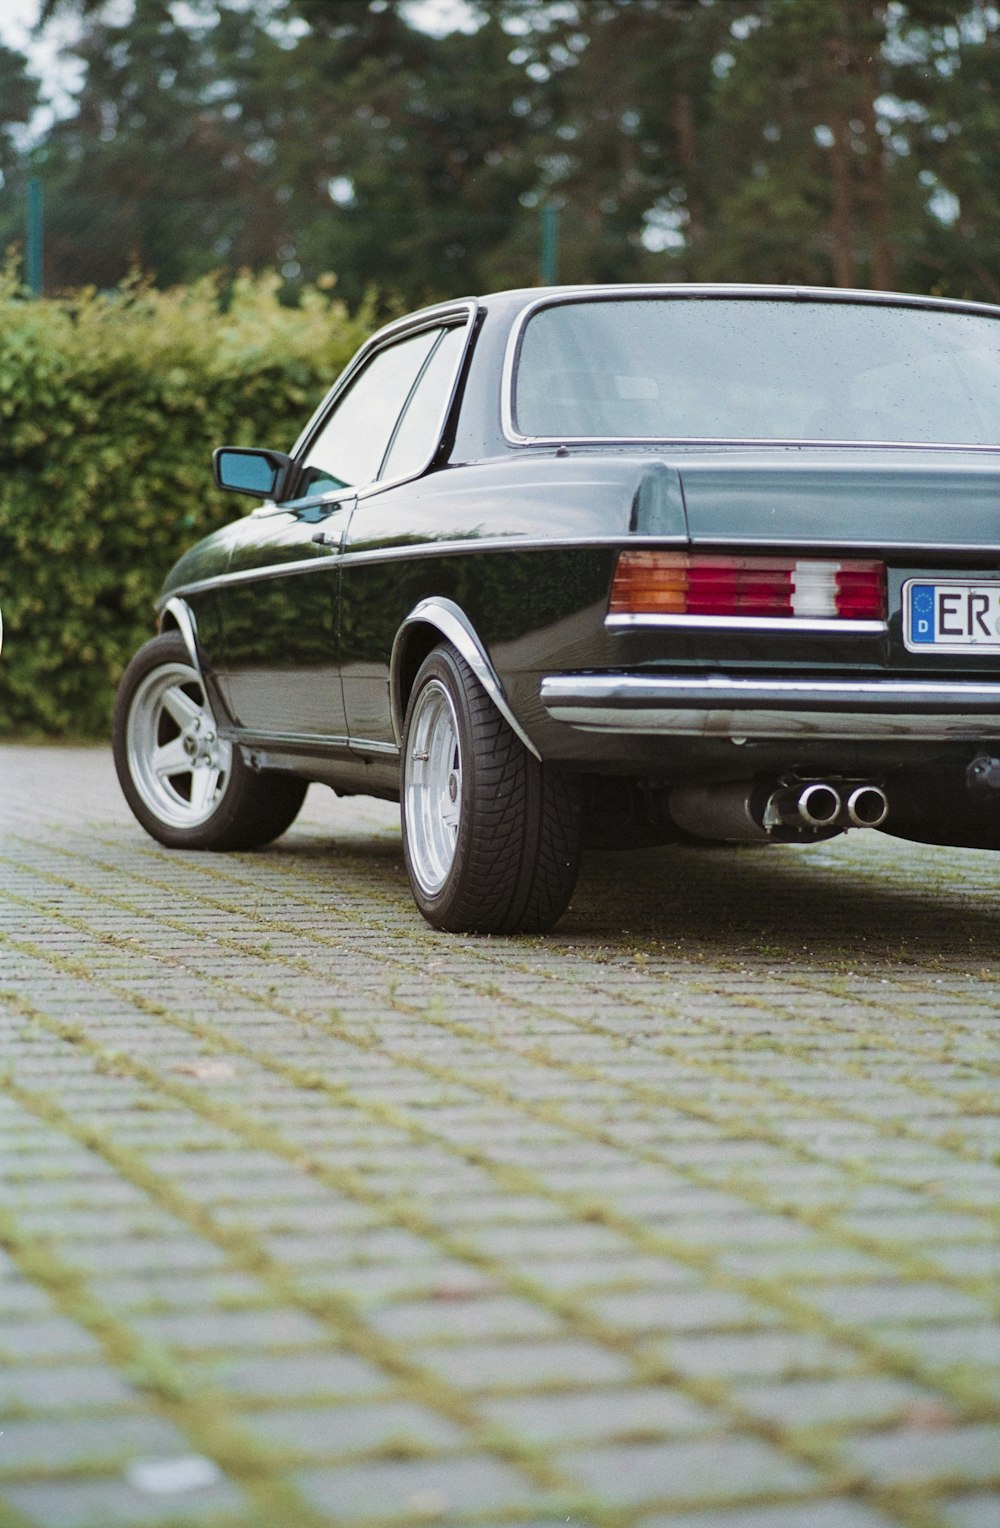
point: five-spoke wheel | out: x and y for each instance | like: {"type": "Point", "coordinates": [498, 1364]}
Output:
{"type": "Point", "coordinates": [188, 786]}
{"type": "Point", "coordinates": [178, 763]}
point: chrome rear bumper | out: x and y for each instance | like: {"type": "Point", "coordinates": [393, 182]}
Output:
{"type": "Point", "coordinates": [718, 706]}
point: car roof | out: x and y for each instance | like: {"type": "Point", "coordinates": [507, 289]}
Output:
{"type": "Point", "coordinates": [509, 302]}
{"type": "Point", "coordinates": [790, 292]}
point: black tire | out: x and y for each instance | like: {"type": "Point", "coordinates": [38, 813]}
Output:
{"type": "Point", "coordinates": [491, 837]}
{"type": "Point", "coordinates": [189, 788]}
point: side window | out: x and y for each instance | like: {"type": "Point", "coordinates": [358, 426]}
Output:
{"type": "Point", "coordinates": [418, 430]}
{"type": "Point", "coordinates": [349, 448]}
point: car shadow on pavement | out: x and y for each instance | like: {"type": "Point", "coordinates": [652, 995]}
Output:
{"type": "Point", "coordinates": [849, 903]}
{"type": "Point", "coordinates": [881, 901]}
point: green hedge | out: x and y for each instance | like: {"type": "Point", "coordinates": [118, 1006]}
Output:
{"type": "Point", "coordinates": [110, 406]}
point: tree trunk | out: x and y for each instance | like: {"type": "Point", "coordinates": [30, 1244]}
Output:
{"type": "Point", "coordinates": [842, 213]}
{"type": "Point", "coordinates": [883, 263]}
{"type": "Point", "coordinates": [682, 115]}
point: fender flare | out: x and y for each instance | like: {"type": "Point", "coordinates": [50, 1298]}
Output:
{"type": "Point", "coordinates": [454, 625]}
{"type": "Point", "coordinates": [177, 613]}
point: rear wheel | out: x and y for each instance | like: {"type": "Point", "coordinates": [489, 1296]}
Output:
{"type": "Point", "coordinates": [491, 837]}
{"type": "Point", "coordinates": [188, 787]}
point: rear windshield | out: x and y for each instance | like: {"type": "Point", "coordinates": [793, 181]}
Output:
{"type": "Point", "coordinates": [735, 368]}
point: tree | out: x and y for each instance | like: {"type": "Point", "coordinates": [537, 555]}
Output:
{"type": "Point", "coordinates": [950, 77]}
{"type": "Point", "coordinates": [19, 94]}
{"type": "Point", "coordinates": [154, 171]}
{"type": "Point", "coordinates": [626, 90]}
{"type": "Point", "coordinates": [851, 142]}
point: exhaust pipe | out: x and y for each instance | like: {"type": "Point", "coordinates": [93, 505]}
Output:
{"type": "Point", "coordinates": [866, 807]}
{"type": "Point", "coordinates": [721, 811]}
{"type": "Point", "coordinates": [743, 811]}
{"type": "Point", "coordinates": [803, 806]}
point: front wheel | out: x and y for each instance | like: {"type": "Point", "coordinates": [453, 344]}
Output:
{"type": "Point", "coordinates": [491, 837]}
{"type": "Point", "coordinates": [187, 786]}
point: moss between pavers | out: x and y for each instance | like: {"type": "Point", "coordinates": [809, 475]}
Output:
{"type": "Point", "coordinates": [705, 1260]}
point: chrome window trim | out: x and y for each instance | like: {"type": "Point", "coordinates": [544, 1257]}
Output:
{"type": "Point", "coordinates": [565, 296]}
{"type": "Point", "coordinates": [756, 441]}
{"type": "Point", "coordinates": [444, 315]}
{"type": "Point", "coordinates": [798, 625]}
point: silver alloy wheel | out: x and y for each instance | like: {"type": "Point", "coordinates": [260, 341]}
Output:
{"type": "Point", "coordinates": [433, 787]}
{"type": "Point", "coordinates": [178, 763]}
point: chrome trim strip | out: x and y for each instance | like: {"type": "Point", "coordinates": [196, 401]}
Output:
{"type": "Point", "coordinates": [254, 575]}
{"type": "Point", "coordinates": [796, 625]}
{"type": "Point", "coordinates": [453, 624]}
{"type": "Point", "coordinates": [312, 740]}
{"type": "Point", "coordinates": [433, 549]}
{"type": "Point", "coordinates": [368, 745]}
{"type": "Point", "coordinates": [252, 739]}
{"type": "Point", "coordinates": [752, 441]}
{"type": "Point", "coordinates": [623, 540]}
{"type": "Point", "coordinates": [187, 626]}
{"type": "Point", "coordinates": [560, 297]}
{"type": "Point", "coordinates": [941, 549]}
{"type": "Point", "coordinates": [719, 706]}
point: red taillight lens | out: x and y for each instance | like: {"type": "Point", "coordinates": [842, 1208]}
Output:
{"type": "Point", "coordinates": [739, 586]}
{"type": "Point", "coordinates": [861, 591]}
{"type": "Point", "coordinates": [798, 588]}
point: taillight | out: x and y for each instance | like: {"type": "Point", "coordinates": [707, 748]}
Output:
{"type": "Point", "coordinates": [802, 588]}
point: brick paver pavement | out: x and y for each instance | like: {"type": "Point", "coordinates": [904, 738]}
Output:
{"type": "Point", "coordinates": [684, 1217]}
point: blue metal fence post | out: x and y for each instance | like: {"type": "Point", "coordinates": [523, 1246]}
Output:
{"type": "Point", "coordinates": [33, 226]}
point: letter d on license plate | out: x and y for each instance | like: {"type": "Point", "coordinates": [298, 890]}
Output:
{"type": "Point", "coordinates": [956, 617]}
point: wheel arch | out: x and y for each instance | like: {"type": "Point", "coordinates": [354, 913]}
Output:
{"type": "Point", "coordinates": [178, 616]}
{"type": "Point", "coordinates": [421, 631]}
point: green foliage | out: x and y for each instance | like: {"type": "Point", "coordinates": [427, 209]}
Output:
{"type": "Point", "coordinates": [110, 407]}
{"type": "Point", "coordinates": [851, 142]}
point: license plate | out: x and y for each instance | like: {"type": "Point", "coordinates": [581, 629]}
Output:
{"type": "Point", "coordinates": [958, 616]}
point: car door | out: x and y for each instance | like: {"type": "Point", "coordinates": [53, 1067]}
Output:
{"type": "Point", "coordinates": [387, 537]}
{"type": "Point", "coordinates": [280, 672]}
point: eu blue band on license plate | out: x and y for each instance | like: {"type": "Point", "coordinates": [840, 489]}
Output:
{"type": "Point", "coordinates": [959, 615]}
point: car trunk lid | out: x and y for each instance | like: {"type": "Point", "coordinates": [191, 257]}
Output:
{"type": "Point", "coordinates": [913, 498]}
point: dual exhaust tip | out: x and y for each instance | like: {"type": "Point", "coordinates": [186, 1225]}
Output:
{"type": "Point", "coordinates": [736, 812]}
{"type": "Point", "coordinates": [822, 805]}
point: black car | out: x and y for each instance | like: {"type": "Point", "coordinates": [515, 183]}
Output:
{"type": "Point", "coordinates": [600, 565]}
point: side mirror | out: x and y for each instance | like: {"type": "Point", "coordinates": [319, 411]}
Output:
{"type": "Point", "coordinates": [260, 473]}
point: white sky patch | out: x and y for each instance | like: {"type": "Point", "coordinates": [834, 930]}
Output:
{"type": "Point", "coordinates": [439, 17]}
{"type": "Point", "coordinates": [341, 190]}
{"type": "Point", "coordinates": [664, 229]}
{"type": "Point", "coordinates": [59, 77]}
